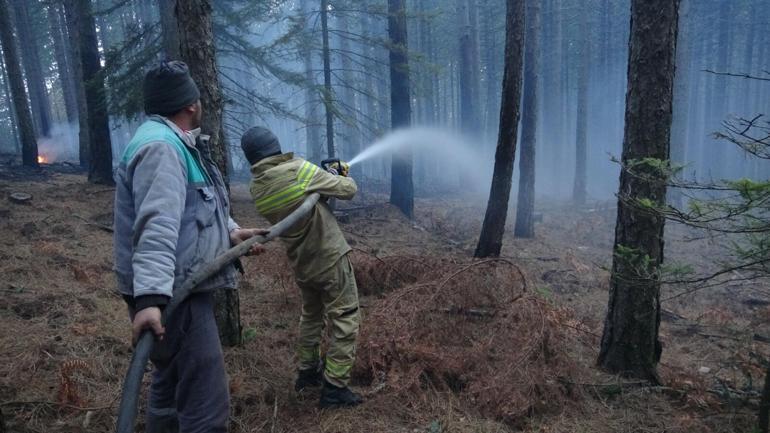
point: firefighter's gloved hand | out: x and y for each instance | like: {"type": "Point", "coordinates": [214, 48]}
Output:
{"type": "Point", "coordinates": [339, 169]}
{"type": "Point", "coordinates": [344, 168]}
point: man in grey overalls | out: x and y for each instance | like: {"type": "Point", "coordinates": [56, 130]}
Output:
{"type": "Point", "coordinates": [172, 215]}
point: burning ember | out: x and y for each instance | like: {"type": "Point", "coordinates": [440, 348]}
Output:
{"type": "Point", "coordinates": [41, 159]}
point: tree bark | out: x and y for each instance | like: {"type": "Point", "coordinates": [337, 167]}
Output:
{"type": "Point", "coordinates": [350, 147]}
{"type": "Point", "coordinates": [720, 101]}
{"type": "Point", "coordinates": [328, 94]}
{"type": "Point", "coordinates": [491, 54]}
{"type": "Point", "coordinates": [469, 122]}
{"type": "Point", "coordinates": [525, 205]}
{"type": "Point", "coordinates": [30, 57]}
{"type": "Point", "coordinates": [312, 125]}
{"type": "Point", "coordinates": [681, 102]}
{"type": "Point", "coordinates": [630, 345]}
{"type": "Point", "coordinates": [11, 111]}
{"type": "Point", "coordinates": [98, 125]}
{"type": "Point", "coordinates": [16, 84]}
{"type": "Point", "coordinates": [169, 30]}
{"type": "Point", "coordinates": [493, 228]}
{"type": "Point", "coordinates": [196, 48]}
{"type": "Point", "coordinates": [58, 30]}
{"type": "Point", "coordinates": [73, 26]}
{"type": "Point", "coordinates": [401, 186]}
{"type": "Point", "coordinates": [579, 191]}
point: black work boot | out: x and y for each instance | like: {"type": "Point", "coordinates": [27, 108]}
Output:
{"type": "Point", "coordinates": [334, 396]}
{"type": "Point", "coordinates": [310, 378]}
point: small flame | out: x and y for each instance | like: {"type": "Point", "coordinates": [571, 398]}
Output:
{"type": "Point", "coordinates": [42, 159]}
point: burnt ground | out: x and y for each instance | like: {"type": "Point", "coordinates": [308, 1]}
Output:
{"type": "Point", "coordinates": [64, 340]}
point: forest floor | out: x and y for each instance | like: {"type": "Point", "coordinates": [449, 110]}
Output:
{"type": "Point", "coordinates": [64, 334]}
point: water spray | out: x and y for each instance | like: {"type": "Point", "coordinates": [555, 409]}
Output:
{"type": "Point", "coordinates": [445, 148]}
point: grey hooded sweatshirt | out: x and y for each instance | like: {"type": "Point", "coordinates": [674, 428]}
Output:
{"type": "Point", "coordinates": [172, 214]}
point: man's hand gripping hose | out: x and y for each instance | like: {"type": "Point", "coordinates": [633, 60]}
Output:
{"type": "Point", "coordinates": [133, 382]}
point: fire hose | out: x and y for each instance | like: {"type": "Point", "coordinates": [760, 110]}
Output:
{"type": "Point", "coordinates": [133, 383]}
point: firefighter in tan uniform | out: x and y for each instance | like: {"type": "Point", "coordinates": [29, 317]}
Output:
{"type": "Point", "coordinates": [318, 253]}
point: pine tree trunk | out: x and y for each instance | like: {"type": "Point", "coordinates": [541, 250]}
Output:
{"type": "Point", "coordinates": [30, 57]}
{"type": "Point", "coordinates": [681, 93]}
{"type": "Point", "coordinates": [350, 147]}
{"type": "Point", "coordinates": [16, 84]}
{"type": "Point", "coordinates": [73, 24]}
{"type": "Point", "coordinates": [328, 94]}
{"type": "Point", "coordinates": [562, 94]}
{"type": "Point", "coordinates": [525, 205]}
{"type": "Point", "coordinates": [196, 48]}
{"type": "Point", "coordinates": [630, 344]}
{"type": "Point", "coordinates": [493, 228]}
{"type": "Point", "coordinates": [579, 192]}
{"type": "Point", "coordinates": [11, 111]}
{"type": "Point", "coordinates": [491, 109]}
{"type": "Point", "coordinates": [169, 30]}
{"type": "Point", "coordinates": [715, 149]}
{"type": "Point", "coordinates": [63, 63]}
{"type": "Point", "coordinates": [100, 147]}
{"type": "Point", "coordinates": [312, 126]}
{"type": "Point", "coordinates": [401, 186]}
{"type": "Point", "coordinates": [469, 122]}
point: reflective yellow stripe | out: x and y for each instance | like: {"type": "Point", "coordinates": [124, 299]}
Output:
{"type": "Point", "coordinates": [335, 370]}
{"type": "Point", "coordinates": [289, 194]}
{"type": "Point", "coordinates": [281, 198]}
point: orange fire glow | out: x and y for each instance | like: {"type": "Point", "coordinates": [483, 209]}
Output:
{"type": "Point", "coordinates": [42, 159]}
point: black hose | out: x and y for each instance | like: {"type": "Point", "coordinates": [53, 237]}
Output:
{"type": "Point", "coordinates": [129, 400]}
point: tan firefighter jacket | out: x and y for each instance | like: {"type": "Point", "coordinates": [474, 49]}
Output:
{"type": "Point", "coordinates": [279, 185]}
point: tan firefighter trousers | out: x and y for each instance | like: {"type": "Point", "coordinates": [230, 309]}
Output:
{"type": "Point", "coordinates": [331, 300]}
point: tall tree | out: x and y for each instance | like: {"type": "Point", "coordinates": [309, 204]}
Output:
{"type": "Point", "coordinates": [493, 228]}
{"type": "Point", "coordinates": [328, 93]}
{"type": "Point", "coordinates": [196, 48]}
{"type": "Point", "coordinates": [99, 146]}
{"type": "Point", "coordinates": [16, 84]}
{"type": "Point", "coordinates": [30, 56]}
{"type": "Point", "coordinates": [10, 106]}
{"type": "Point", "coordinates": [73, 20]}
{"type": "Point", "coordinates": [347, 100]}
{"type": "Point", "coordinates": [681, 102]}
{"type": "Point", "coordinates": [169, 30]}
{"type": "Point", "coordinates": [525, 205]}
{"type": "Point", "coordinates": [58, 30]}
{"type": "Point", "coordinates": [579, 191]}
{"type": "Point", "coordinates": [630, 344]}
{"type": "Point", "coordinates": [401, 186]}
{"type": "Point", "coordinates": [312, 125]}
{"type": "Point", "coordinates": [469, 121]}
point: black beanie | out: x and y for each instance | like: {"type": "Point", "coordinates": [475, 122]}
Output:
{"type": "Point", "coordinates": [258, 143]}
{"type": "Point", "coordinates": [169, 88]}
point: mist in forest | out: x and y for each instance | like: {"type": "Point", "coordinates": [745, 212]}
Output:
{"type": "Point", "coordinates": [61, 145]}
{"type": "Point", "coordinates": [272, 72]}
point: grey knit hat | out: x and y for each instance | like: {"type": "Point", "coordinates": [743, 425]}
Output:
{"type": "Point", "coordinates": [169, 88]}
{"type": "Point", "coordinates": [258, 143]}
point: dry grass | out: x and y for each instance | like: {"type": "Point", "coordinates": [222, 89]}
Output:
{"type": "Point", "coordinates": [448, 344]}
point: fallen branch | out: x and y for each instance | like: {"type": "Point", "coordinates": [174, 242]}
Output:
{"type": "Point", "coordinates": [54, 403]}
{"type": "Point", "coordinates": [95, 224]}
{"type": "Point", "coordinates": [470, 312]}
